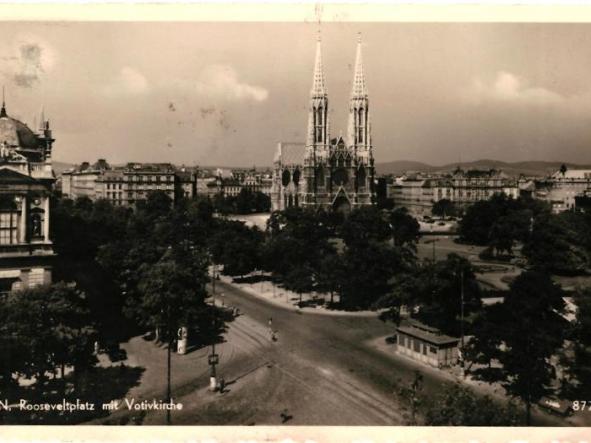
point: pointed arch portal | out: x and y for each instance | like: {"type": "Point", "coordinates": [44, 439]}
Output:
{"type": "Point", "coordinates": [341, 204]}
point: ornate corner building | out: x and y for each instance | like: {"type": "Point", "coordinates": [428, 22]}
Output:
{"type": "Point", "coordinates": [26, 181]}
{"type": "Point", "coordinates": [330, 173]}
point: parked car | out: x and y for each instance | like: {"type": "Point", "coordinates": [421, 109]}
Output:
{"type": "Point", "coordinates": [562, 408]}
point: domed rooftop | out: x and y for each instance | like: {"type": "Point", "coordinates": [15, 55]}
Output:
{"type": "Point", "coordinates": [15, 133]}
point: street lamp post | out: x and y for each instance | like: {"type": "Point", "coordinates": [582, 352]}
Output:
{"type": "Point", "coordinates": [213, 360]}
{"type": "Point", "coordinates": [168, 367]}
{"type": "Point", "coordinates": [462, 321]}
{"type": "Point", "coordinates": [213, 281]}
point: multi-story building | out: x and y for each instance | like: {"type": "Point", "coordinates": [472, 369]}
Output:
{"type": "Point", "coordinates": [186, 183]}
{"type": "Point", "coordinates": [563, 187]}
{"type": "Point", "coordinates": [333, 173]}
{"type": "Point", "coordinates": [231, 183]}
{"type": "Point", "coordinates": [409, 192]}
{"type": "Point", "coordinates": [124, 186]}
{"type": "Point", "coordinates": [82, 181]}
{"type": "Point", "coordinates": [475, 185]}
{"type": "Point", "coordinates": [419, 192]}
{"type": "Point", "coordinates": [128, 185]}
{"type": "Point", "coordinates": [26, 180]}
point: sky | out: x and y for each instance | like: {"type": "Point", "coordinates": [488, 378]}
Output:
{"type": "Point", "coordinates": [224, 94]}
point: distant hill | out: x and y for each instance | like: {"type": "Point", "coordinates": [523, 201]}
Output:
{"type": "Point", "coordinates": [530, 168]}
{"type": "Point", "coordinates": [59, 167]}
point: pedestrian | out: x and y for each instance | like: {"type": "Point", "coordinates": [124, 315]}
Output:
{"type": "Point", "coordinates": [222, 385]}
{"type": "Point", "coordinates": [270, 322]}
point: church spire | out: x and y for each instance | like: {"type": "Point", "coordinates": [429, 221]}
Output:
{"type": "Point", "coordinates": [358, 131]}
{"type": "Point", "coordinates": [318, 84]}
{"type": "Point", "coordinates": [318, 111]}
{"type": "Point", "coordinates": [359, 87]}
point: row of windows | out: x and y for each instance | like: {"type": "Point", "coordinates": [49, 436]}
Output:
{"type": "Point", "coordinates": [415, 344]}
{"type": "Point", "coordinates": [136, 178]}
{"type": "Point", "coordinates": [151, 178]}
{"type": "Point", "coordinates": [478, 182]}
{"type": "Point", "coordinates": [141, 186]}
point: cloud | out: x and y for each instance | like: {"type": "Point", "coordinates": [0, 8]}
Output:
{"type": "Point", "coordinates": [127, 81]}
{"type": "Point", "coordinates": [511, 89]}
{"type": "Point", "coordinates": [28, 59]}
{"type": "Point", "coordinates": [222, 81]}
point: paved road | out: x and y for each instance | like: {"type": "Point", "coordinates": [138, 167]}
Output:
{"type": "Point", "coordinates": [336, 347]}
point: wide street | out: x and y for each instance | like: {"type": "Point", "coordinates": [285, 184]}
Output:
{"type": "Point", "coordinates": [327, 348]}
{"type": "Point", "coordinates": [323, 370]}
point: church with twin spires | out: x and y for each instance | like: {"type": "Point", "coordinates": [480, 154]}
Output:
{"type": "Point", "coordinates": [330, 173]}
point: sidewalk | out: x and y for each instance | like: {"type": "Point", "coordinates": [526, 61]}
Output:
{"type": "Point", "coordinates": [286, 299]}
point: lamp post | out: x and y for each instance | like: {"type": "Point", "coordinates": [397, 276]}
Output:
{"type": "Point", "coordinates": [213, 281]}
{"type": "Point", "coordinates": [168, 367]}
{"type": "Point", "coordinates": [213, 360]}
{"type": "Point", "coordinates": [462, 322]}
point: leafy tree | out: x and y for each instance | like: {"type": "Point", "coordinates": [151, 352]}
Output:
{"type": "Point", "coordinates": [444, 208]}
{"type": "Point", "coordinates": [241, 255]}
{"type": "Point", "coordinates": [506, 230]}
{"type": "Point", "coordinates": [157, 204]}
{"type": "Point", "coordinates": [299, 279]}
{"type": "Point", "coordinates": [560, 243]}
{"type": "Point", "coordinates": [484, 346]}
{"type": "Point", "coordinates": [367, 272]}
{"type": "Point", "coordinates": [532, 330]}
{"type": "Point", "coordinates": [579, 365]}
{"type": "Point", "coordinates": [365, 224]}
{"type": "Point", "coordinates": [296, 236]}
{"type": "Point", "coordinates": [487, 222]}
{"type": "Point", "coordinates": [46, 328]}
{"type": "Point", "coordinates": [436, 289]}
{"type": "Point", "coordinates": [459, 406]}
{"type": "Point", "coordinates": [173, 296]}
{"type": "Point", "coordinates": [237, 247]}
{"type": "Point", "coordinates": [475, 225]}
{"type": "Point", "coordinates": [246, 202]}
{"type": "Point", "coordinates": [405, 229]}
{"type": "Point", "coordinates": [329, 274]}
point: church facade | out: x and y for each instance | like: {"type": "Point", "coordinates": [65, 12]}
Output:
{"type": "Point", "coordinates": [331, 173]}
{"type": "Point", "coordinates": [26, 181]}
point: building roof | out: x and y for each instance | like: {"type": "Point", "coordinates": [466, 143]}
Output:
{"type": "Point", "coordinates": [479, 173]}
{"type": "Point", "coordinates": [15, 133]}
{"type": "Point", "coordinates": [573, 174]}
{"type": "Point", "coordinates": [426, 333]}
{"type": "Point", "coordinates": [9, 176]}
{"type": "Point", "coordinates": [291, 153]}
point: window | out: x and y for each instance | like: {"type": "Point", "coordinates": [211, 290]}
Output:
{"type": "Point", "coordinates": [416, 345]}
{"type": "Point", "coordinates": [432, 349]}
{"type": "Point", "coordinates": [8, 228]}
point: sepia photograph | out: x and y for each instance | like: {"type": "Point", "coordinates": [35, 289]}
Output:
{"type": "Point", "coordinates": [295, 222]}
